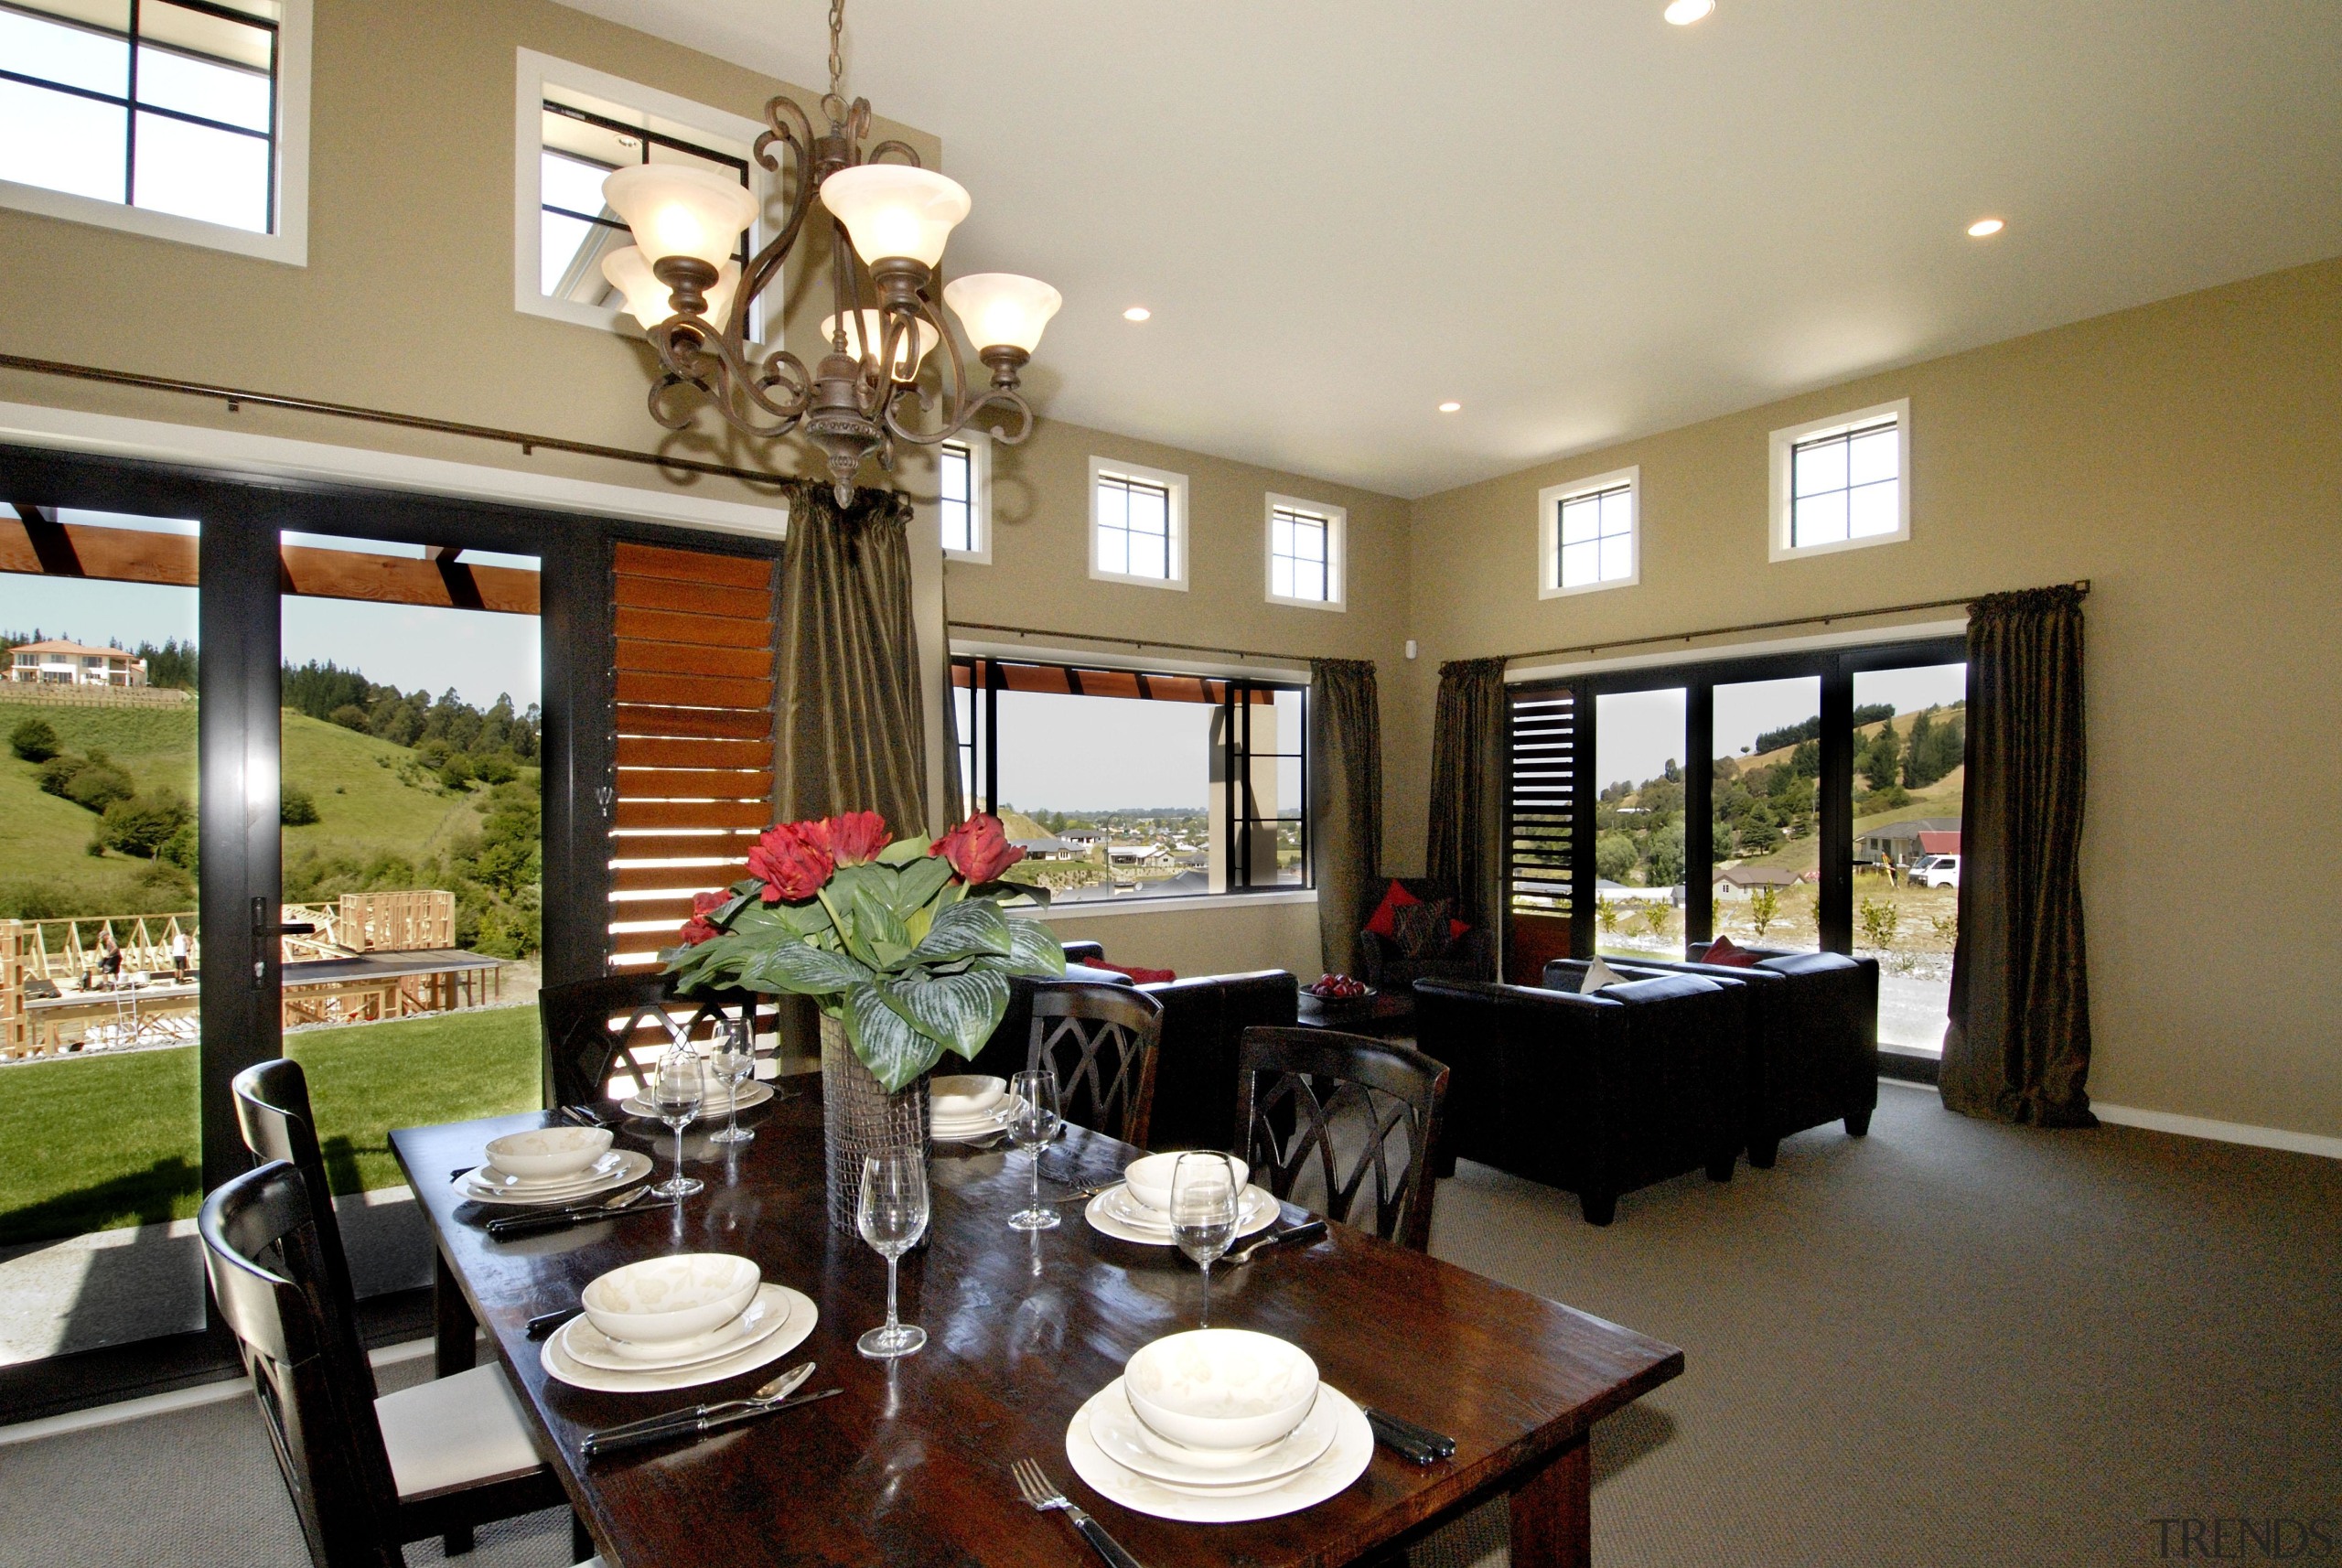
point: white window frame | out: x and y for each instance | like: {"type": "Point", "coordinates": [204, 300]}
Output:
{"type": "Point", "coordinates": [727, 133]}
{"type": "Point", "coordinates": [1336, 521]}
{"type": "Point", "coordinates": [1176, 522]}
{"type": "Point", "coordinates": [978, 444]}
{"type": "Point", "coordinates": [1784, 443]}
{"type": "Point", "coordinates": [1549, 530]}
{"type": "Point", "coordinates": [289, 244]}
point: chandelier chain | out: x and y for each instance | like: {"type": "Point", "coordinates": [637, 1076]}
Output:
{"type": "Point", "coordinates": [837, 61]}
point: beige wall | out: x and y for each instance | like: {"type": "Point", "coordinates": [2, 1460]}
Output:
{"type": "Point", "coordinates": [1203, 942]}
{"type": "Point", "coordinates": [2187, 457]}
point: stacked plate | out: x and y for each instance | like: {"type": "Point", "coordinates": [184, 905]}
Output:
{"type": "Point", "coordinates": [1139, 1210]}
{"type": "Point", "coordinates": [1218, 1425]}
{"type": "Point", "coordinates": [716, 1108]}
{"type": "Point", "coordinates": [968, 1108]}
{"type": "Point", "coordinates": [675, 1323]}
{"type": "Point", "coordinates": [551, 1165]}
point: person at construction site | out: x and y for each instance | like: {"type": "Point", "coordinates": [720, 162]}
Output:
{"type": "Point", "coordinates": [109, 957]}
{"type": "Point", "coordinates": [178, 957]}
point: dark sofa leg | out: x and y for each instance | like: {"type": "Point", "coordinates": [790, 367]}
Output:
{"type": "Point", "coordinates": [1858, 1123]}
{"type": "Point", "coordinates": [1599, 1207]}
{"type": "Point", "coordinates": [1720, 1168]}
{"type": "Point", "coordinates": [1762, 1152]}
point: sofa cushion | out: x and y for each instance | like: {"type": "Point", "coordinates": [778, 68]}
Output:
{"type": "Point", "coordinates": [1137, 975]}
{"type": "Point", "coordinates": [1598, 975]}
{"type": "Point", "coordinates": [1660, 988]}
{"type": "Point", "coordinates": [1421, 928]}
{"type": "Point", "coordinates": [1806, 963]}
{"type": "Point", "coordinates": [1722, 951]}
{"type": "Point", "coordinates": [1383, 922]}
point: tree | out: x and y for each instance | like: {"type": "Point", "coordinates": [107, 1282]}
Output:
{"type": "Point", "coordinates": [294, 808]}
{"type": "Point", "coordinates": [1881, 762]}
{"type": "Point", "coordinates": [1806, 760]}
{"type": "Point", "coordinates": [1880, 921]}
{"type": "Point", "coordinates": [1764, 909]}
{"type": "Point", "coordinates": [350, 716]}
{"type": "Point", "coordinates": [1614, 855]}
{"type": "Point", "coordinates": [1759, 832]}
{"type": "Point", "coordinates": [1663, 864]}
{"type": "Point", "coordinates": [33, 740]}
{"type": "Point", "coordinates": [143, 826]}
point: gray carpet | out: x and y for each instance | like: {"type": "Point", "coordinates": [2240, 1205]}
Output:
{"type": "Point", "coordinates": [1951, 1342]}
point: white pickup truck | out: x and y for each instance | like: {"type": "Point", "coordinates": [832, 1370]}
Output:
{"type": "Point", "coordinates": [1937, 871]}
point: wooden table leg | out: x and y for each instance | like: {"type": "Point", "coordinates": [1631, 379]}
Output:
{"type": "Point", "coordinates": [1552, 1521]}
{"type": "Point", "coordinates": [454, 1350]}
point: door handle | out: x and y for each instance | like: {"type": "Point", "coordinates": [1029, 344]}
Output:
{"type": "Point", "coordinates": [266, 931]}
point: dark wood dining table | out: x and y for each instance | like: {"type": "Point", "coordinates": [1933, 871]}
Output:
{"type": "Point", "coordinates": [911, 1463]}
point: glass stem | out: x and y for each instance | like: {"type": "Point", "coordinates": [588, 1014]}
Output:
{"type": "Point", "coordinates": [679, 1156]}
{"type": "Point", "coordinates": [732, 1125]}
{"type": "Point", "coordinates": [892, 1259]}
{"type": "Point", "coordinates": [1036, 1180]}
{"type": "Point", "coordinates": [1207, 1320]}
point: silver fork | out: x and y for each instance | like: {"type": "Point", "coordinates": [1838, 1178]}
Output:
{"type": "Point", "coordinates": [1044, 1496]}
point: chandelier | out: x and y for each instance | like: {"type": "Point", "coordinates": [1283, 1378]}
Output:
{"type": "Point", "coordinates": [890, 220]}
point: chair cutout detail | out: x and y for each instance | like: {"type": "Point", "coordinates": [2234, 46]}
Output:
{"type": "Point", "coordinates": [1290, 1120]}
{"type": "Point", "coordinates": [1101, 1042]}
{"type": "Point", "coordinates": [613, 1026]}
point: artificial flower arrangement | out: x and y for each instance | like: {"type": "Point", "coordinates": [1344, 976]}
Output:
{"type": "Point", "coordinates": [903, 941]}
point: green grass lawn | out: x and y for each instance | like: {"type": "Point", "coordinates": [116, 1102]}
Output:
{"type": "Point", "coordinates": [102, 1142]}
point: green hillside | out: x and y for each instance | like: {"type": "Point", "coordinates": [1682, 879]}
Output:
{"type": "Point", "coordinates": [370, 796]}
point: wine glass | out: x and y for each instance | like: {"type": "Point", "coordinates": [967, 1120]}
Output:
{"type": "Point", "coordinates": [1205, 1202]}
{"type": "Point", "coordinates": [892, 1217]}
{"type": "Point", "coordinates": [1032, 1121]}
{"type": "Point", "coordinates": [733, 1063]}
{"type": "Point", "coordinates": [678, 1089]}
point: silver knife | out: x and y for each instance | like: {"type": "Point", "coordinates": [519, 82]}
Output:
{"type": "Point", "coordinates": [772, 1396]}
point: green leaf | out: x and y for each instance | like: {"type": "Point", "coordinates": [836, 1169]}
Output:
{"type": "Point", "coordinates": [875, 921]}
{"type": "Point", "coordinates": [902, 852]}
{"type": "Point", "coordinates": [1033, 944]}
{"type": "Point", "coordinates": [966, 930]}
{"type": "Point", "coordinates": [883, 1037]}
{"type": "Point", "coordinates": [1015, 895]}
{"type": "Point", "coordinates": [803, 969]}
{"type": "Point", "coordinates": [961, 1010]}
{"type": "Point", "coordinates": [916, 886]}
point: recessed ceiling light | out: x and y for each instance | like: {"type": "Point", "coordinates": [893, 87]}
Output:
{"type": "Point", "coordinates": [1683, 13]}
{"type": "Point", "coordinates": [1449, 407]}
{"type": "Point", "coordinates": [1137, 313]}
{"type": "Point", "coordinates": [1985, 227]}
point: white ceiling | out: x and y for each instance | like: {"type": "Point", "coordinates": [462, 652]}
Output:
{"type": "Point", "coordinates": [1581, 221]}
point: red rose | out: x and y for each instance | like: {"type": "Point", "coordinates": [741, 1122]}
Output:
{"type": "Point", "coordinates": [698, 930]}
{"type": "Point", "coordinates": [854, 838]}
{"type": "Point", "coordinates": [792, 859]}
{"type": "Point", "coordinates": [978, 850]}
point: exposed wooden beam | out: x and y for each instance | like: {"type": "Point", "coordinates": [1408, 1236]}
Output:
{"type": "Point", "coordinates": [51, 544]}
{"type": "Point", "coordinates": [407, 580]}
{"type": "Point", "coordinates": [463, 588]}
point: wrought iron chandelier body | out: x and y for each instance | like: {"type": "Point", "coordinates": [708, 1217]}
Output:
{"type": "Point", "coordinates": [890, 219]}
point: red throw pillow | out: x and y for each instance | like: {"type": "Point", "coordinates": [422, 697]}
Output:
{"type": "Point", "coordinates": [1456, 929]}
{"type": "Point", "coordinates": [1385, 920]}
{"type": "Point", "coordinates": [1721, 952]}
{"type": "Point", "coordinates": [1138, 976]}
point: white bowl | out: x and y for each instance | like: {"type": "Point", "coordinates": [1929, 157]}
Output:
{"type": "Point", "coordinates": [549, 1152]}
{"type": "Point", "coordinates": [1149, 1178]}
{"type": "Point", "coordinates": [955, 1099]}
{"type": "Point", "coordinates": [1220, 1388]}
{"type": "Point", "coordinates": [663, 1299]}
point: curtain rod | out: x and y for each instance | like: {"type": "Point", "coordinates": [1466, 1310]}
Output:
{"type": "Point", "coordinates": [235, 396]}
{"type": "Point", "coordinates": [1288, 658]}
{"type": "Point", "coordinates": [2082, 585]}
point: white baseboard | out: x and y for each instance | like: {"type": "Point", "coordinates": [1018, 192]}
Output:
{"type": "Point", "coordinates": [2219, 1132]}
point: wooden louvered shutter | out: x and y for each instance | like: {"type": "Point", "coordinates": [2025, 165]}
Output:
{"type": "Point", "coordinates": [1541, 800]}
{"type": "Point", "coordinates": [693, 676]}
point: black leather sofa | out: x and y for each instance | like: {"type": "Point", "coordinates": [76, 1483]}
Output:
{"type": "Point", "coordinates": [1813, 1049]}
{"type": "Point", "coordinates": [1598, 1095]}
{"type": "Point", "coordinates": [1472, 956]}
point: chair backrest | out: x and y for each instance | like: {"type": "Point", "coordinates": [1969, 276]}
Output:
{"type": "Point", "coordinates": [267, 1269]}
{"type": "Point", "coordinates": [1346, 1098]}
{"type": "Point", "coordinates": [273, 1111]}
{"type": "Point", "coordinates": [1100, 1041]}
{"type": "Point", "coordinates": [1203, 1018]}
{"type": "Point", "coordinates": [617, 1025]}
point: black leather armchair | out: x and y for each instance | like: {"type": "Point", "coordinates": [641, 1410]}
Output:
{"type": "Point", "coordinates": [1598, 1095]}
{"type": "Point", "coordinates": [1472, 956]}
{"type": "Point", "coordinates": [1813, 1049]}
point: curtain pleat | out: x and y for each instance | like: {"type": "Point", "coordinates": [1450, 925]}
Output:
{"type": "Point", "coordinates": [1467, 829]}
{"type": "Point", "coordinates": [1345, 801]}
{"type": "Point", "coordinates": [2018, 1045]}
{"type": "Point", "coordinates": [849, 732]}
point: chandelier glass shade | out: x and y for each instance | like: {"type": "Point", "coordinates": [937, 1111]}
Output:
{"type": "Point", "coordinates": [890, 222]}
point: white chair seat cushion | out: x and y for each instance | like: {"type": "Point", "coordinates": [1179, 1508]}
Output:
{"type": "Point", "coordinates": [456, 1431]}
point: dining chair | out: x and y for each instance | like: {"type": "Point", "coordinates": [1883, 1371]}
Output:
{"type": "Point", "coordinates": [274, 1114]}
{"type": "Point", "coordinates": [1318, 1098]}
{"type": "Point", "coordinates": [367, 1474]}
{"type": "Point", "coordinates": [1100, 1041]}
{"type": "Point", "coordinates": [614, 1024]}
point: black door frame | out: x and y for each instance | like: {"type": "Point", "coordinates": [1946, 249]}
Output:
{"type": "Point", "coordinates": [242, 515]}
{"type": "Point", "coordinates": [1698, 679]}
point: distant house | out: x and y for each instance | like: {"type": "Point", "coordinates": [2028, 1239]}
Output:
{"type": "Point", "coordinates": [1135, 853]}
{"type": "Point", "coordinates": [1083, 840]}
{"type": "Point", "coordinates": [1047, 849]}
{"type": "Point", "coordinates": [56, 662]}
{"type": "Point", "coordinates": [1901, 843]}
{"type": "Point", "coordinates": [1741, 881]}
{"type": "Point", "coordinates": [1939, 843]}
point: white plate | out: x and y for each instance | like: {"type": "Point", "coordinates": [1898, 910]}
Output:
{"type": "Point", "coordinates": [1115, 1427]}
{"type": "Point", "coordinates": [487, 1176]}
{"type": "Point", "coordinates": [590, 1346]}
{"type": "Point", "coordinates": [562, 1365]}
{"type": "Point", "coordinates": [485, 1184]}
{"type": "Point", "coordinates": [752, 1094]}
{"type": "Point", "coordinates": [964, 1129]}
{"type": "Point", "coordinates": [632, 1166]}
{"type": "Point", "coordinates": [1117, 1214]}
{"type": "Point", "coordinates": [1344, 1462]}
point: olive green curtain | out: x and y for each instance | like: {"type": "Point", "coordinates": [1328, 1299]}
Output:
{"type": "Point", "coordinates": [2018, 1044]}
{"type": "Point", "coordinates": [849, 733]}
{"type": "Point", "coordinates": [1466, 832]}
{"type": "Point", "coordinates": [1345, 750]}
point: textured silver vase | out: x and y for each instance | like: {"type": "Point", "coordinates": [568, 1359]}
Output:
{"type": "Point", "coordinates": [859, 1118]}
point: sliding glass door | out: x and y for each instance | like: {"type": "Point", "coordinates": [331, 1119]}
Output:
{"type": "Point", "coordinates": [1638, 816]}
{"type": "Point", "coordinates": [1910, 736]}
